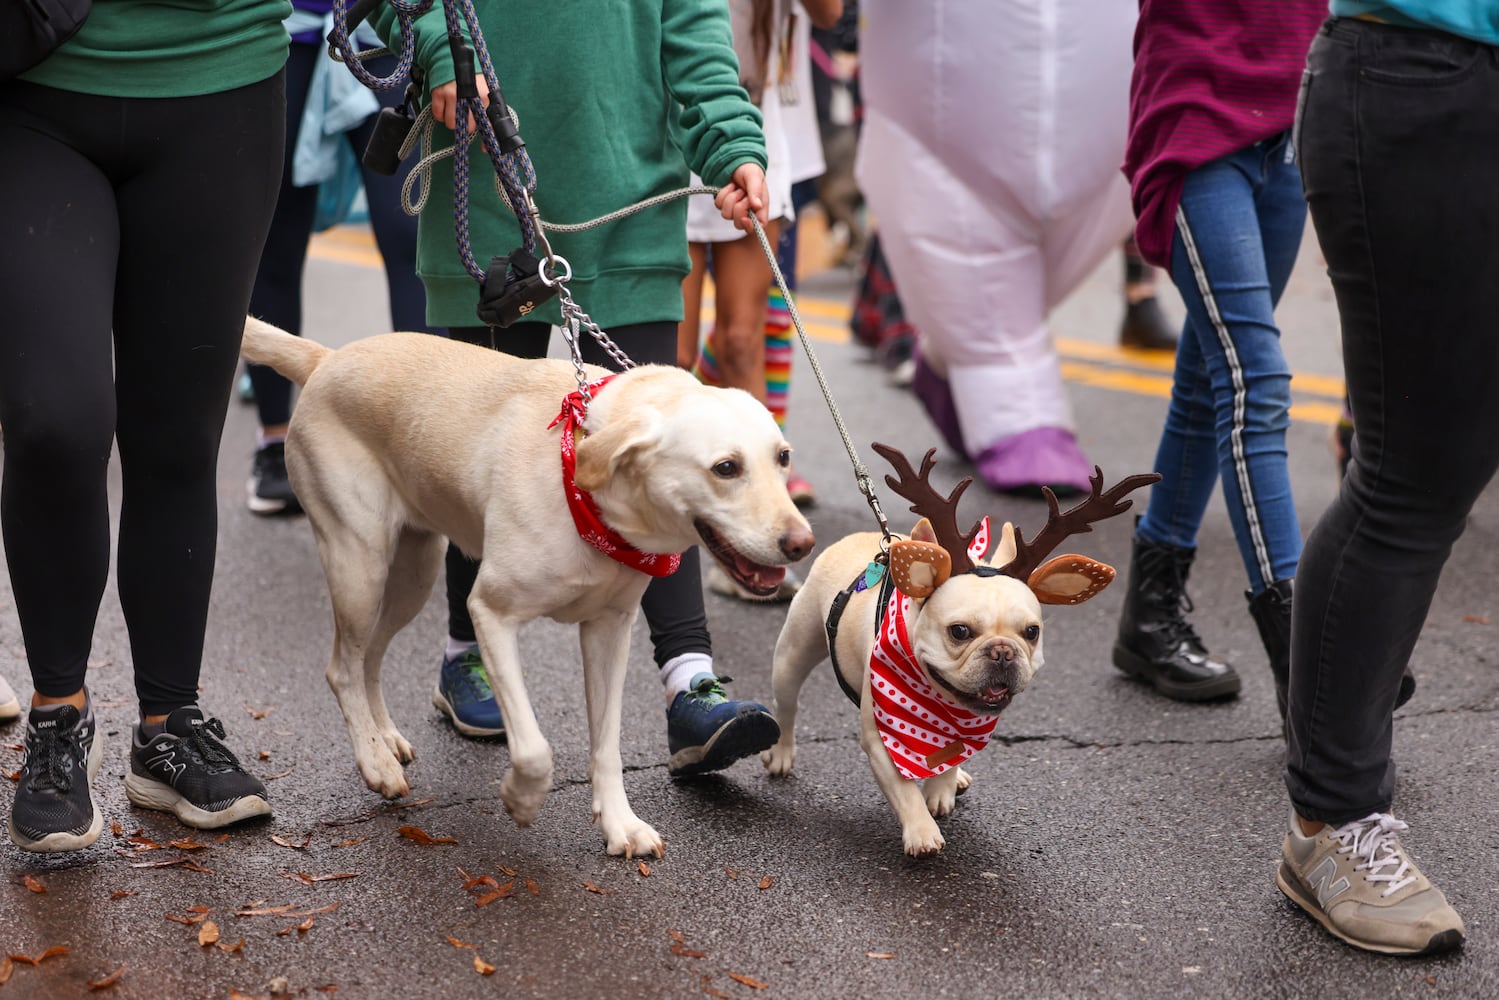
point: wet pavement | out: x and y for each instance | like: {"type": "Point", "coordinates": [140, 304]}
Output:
{"type": "Point", "coordinates": [1113, 844]}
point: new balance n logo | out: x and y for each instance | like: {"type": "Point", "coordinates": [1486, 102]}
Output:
{"type": "Point", "coordinates": [1322, 882]}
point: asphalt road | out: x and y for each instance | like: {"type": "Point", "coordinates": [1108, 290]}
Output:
{"type": "Point", "coordinates": [1113, 844]}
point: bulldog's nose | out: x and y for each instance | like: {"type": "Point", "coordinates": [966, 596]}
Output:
{"type": "Point", "coordinates": [1000, 651]}
{"type": "Point", "coordinates": [797, 542]}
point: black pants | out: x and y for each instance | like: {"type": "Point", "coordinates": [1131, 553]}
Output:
{"type": "Point", "coordinates": [277, 297]}
{"type": "Point", "coordinates": [131, 230]}
{"type": "Point", "coordinates": [672, 605]}
{"type": "Point", "coordinates": [1399, 140]}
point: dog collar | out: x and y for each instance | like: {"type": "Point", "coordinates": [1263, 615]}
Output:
{"type": "Point", "coordinates": [586, 516]}
{"type": "Point", "coordinates": [923, 734]}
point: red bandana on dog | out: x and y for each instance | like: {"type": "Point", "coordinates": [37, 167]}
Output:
{"type": "Point", "coordinates": [590, 525]}
{"type": "Point", "coordinates": [924, 734]}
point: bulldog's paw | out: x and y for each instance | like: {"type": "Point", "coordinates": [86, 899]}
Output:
{"type": "Point", "coordinates": [922, 840]}
{"type": "Point", "coordinates": [964, 779]}
{"type": "Point", "coordinates": [399, 746]}
{"type": "Point", "coordinates": [940, 796]}
{"type": "Point", "coordinates": [522, 796]}
{"type": "Point", "coordinates": [633, 839]}
{"type": "Point", "coordinates": [779, 759]}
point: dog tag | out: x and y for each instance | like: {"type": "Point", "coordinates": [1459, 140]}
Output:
{"type": "Point", "coordinates": [873, 573]}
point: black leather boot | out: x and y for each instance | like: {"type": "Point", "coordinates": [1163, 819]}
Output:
{"type": "Point", "coordinates": [1156, 643]}
{"type": "Point", "coordinates": [1271, 611]}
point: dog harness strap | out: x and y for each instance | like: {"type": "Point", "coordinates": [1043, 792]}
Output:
{"type": "Point", "coordinates": [835, 615]}
{"type": "Point", "coordinates": [586, 516]}
{"type": "Point", "coordinates": [924, 734]}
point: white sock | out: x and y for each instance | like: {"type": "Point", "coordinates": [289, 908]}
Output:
{"type": "Point", "coordinates": [677, 673]}
{"type": "Point", "coordinates": [457, 647]}
{"type": "Point", "coordinates": [263, 439]}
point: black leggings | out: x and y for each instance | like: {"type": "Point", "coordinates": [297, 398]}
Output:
{"type": "Point", "coordinates": [673, 605]}
{"type": "Point", "coordinates": [277, 297]}
{"type": "Point", "coordinates": [131, 231]}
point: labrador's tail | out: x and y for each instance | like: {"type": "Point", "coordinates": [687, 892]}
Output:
{"type": "Point", "coordinates": [294, 357]}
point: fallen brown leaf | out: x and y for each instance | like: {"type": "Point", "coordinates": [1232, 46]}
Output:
{"type": "Point", "coordinates": [307, 879]}
{"type": "Point", "coordinates": [116, 829]}
{"type": "Point", "coordinates": [506, 871]}
{"type": "Point", "coordinates": [280, 774]}
{"type": "Point", "coordinates": [502, 892]}
{"type": "Point", "coordinates": [260, 911]}
{"type": "Point", "coordinates": [187, 844]}
{"type": "Point", "coordinates": [276, 838]}
{"type": "Point", "coordinates": [420, 836]}
{"type": "Point", "coordinates": [645, 869]}
{"type": "Point", "coordinates": [107, 981]}
{"type": "Point", "coordinates": [720, 994]}
{"type": "Point", "coordinates": [593, 888]}
{"type": "Point", "coordinates": [12, 775]}
{"type": "Point", "coordinates": [7, 969]}
{"type": "Point", "coordinates": [879, 954]}
{"type": "Point", "coordinates": [306, 925]}
{"type": "Point", "coordinates": [33, 884]}
{"type": "Point", "coordinates": [1476, 619]}
{"type": "Point", "coordinates": [350, 842]}
{"type": "Point", "coordinates": [53, 952]}
{"type": "Point", "coordinates": [460, 944]}
{"type": "Point", "coordinates": [257, 713]}
{"type": "Point", "coordinates": [286, 930]}
{"type": "Point", "coordinates": [198, 919]}
{"type": "Point", "coordinates": [263, 755]}
{"type": "Point", "coordinates": [732, 873]}
{"type": "Point", "coordinates": [236, 946]}
{"type": "Point", "coordinates": [208, 934]}
{"type": "Point", "coordinates": [679, 946]}
{"type": "Point", "coordinates": [474, 883]}
{"type": "Point", "coordinates": [766, 882]}
{"type": "Point", "coordinates": [121, 893]}
{"type": "Point", "coordinates": [749, 981]}
{"type": "Point", "coordinates": [482, 967]}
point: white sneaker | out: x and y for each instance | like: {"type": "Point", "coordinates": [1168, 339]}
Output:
{"type": "Point", "coordinates": [10, 705]}
{"type": "Point", "coordinates": [1360, 884]}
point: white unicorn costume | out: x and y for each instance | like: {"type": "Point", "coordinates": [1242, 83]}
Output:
{"type": "Point", "coordinates": [990, 155]}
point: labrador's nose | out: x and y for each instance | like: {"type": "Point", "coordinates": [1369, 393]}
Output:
{"type": "Point", "coordinates": [796, 543]}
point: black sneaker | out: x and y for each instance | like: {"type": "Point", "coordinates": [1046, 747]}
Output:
{"type": "Point", "coordinates": [55, 808]}
{"type": "Point", "coordinates": [188, 771]}
{"type": "Point", "coordinates": [269, 489]}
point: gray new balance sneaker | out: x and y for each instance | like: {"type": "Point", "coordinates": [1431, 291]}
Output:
{"type": "Point", "coordinates": [1359, 883]}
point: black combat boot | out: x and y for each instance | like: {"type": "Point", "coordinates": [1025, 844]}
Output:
{"type": "Point", "coordinates": [1271, 611]}
{"type": "Point", "coordinates": [1156, 643]}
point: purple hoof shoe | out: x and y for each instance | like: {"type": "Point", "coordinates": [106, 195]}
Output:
{"type": "Point", "coordinates": [1045, 456]}
{"type": "Point", "coordinates": [936, 396]}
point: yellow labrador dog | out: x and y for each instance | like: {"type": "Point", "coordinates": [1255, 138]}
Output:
{"type": "Point", "coordinates": [402, 440]}
{"type": "Point", "coordinates": [933, 642]}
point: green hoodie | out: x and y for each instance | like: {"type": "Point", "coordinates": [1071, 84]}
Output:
{"type": "Point", "coordinates": [616, 101]}
{"type": "Point", "coordinates": [169, 48]}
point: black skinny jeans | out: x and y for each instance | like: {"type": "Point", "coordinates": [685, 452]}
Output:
{"type": "Point", "coordinates": [672, 605]}
{"type": "Point", "coordinates": [277, 296]}
{"type": "Point", "coordinates": [131, 228]}
{"type": "Point", "coordinates": [1399, 143]}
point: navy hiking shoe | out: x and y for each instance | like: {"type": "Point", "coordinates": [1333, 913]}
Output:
{"type": "Point", "coordinates": [187, 770]}
{"type": "Point", "coordinates": [55, 808]}
{"type": "Point", "coordinates": [708, 731]}
{"type": "Point", "coordinates": [463, 694]}
{"type": "Point", "coordinates": [269, 490]}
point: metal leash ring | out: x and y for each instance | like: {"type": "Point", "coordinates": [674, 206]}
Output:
{"type": "Point", "coordinates": [552, 260]}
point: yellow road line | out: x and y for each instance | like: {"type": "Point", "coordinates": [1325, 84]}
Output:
{"type": "Point", "coordinates": [1084, 362]}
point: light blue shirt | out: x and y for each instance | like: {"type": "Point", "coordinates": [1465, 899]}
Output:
{"type": "Point", "coordinates": [1475, 19]}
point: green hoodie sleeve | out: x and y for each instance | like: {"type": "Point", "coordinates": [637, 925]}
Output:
{"type": "Point", "coordinates": [718, 129]}
{"type": "Point", "coordinates": [433, 54]}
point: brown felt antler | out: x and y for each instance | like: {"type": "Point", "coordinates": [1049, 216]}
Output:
{"type": "Point", "coordinates": [1099, 506]}
{"type": "Point", "coordinates": [941, 511]}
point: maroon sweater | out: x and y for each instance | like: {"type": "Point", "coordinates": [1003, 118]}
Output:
{"type": "Point", "coordinates": [1211, 77]}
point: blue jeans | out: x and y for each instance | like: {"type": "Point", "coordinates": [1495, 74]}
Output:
{"type": "Point", "coordinates": [1238, 230]}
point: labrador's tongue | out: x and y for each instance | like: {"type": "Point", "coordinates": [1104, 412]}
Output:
{"type": "Point", "coordinates": [761, 578]}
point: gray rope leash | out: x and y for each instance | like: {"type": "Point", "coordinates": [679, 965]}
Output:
{"type": "Point", "coordinates": [575, 320]}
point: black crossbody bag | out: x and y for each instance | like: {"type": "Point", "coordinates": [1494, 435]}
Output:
{"type": "Point", "coordinates": [31, 29]}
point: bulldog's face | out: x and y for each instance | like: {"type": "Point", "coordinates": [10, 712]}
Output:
{"type": "Point", "coordinates": [978, 640]}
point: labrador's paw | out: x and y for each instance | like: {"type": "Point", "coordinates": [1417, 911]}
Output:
{"type": "Point", "coordinates": [633, 839]}
{"type": "Point", "coordinates": [522, 796]}
{"type": "Point", "coordinates": [779, 759]}
{"type": "Point", "coordinates": [399, 746]}
{"type": "Point", "coordinates": [382, 773]}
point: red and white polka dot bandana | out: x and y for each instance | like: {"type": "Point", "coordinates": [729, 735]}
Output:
{"type": "Point", "coordinates": [923, 734]}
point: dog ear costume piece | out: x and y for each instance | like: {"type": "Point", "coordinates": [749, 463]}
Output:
{"type": "Point", "coordinates": [918, 568]}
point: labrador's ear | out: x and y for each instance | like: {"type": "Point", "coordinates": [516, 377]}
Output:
{"type": "Point", "coordinates": [601, 452]}
{"type": "Point", "coordinates": [1069, 579]}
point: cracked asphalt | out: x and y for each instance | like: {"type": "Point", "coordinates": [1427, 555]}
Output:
{"type": "Point", "coordinates": [1113, 844]}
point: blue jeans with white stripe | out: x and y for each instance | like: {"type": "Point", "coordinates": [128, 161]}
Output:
{"type": "Point", "coordinates": [1238, 230]}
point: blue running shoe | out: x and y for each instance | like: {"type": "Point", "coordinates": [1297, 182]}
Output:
{"type": "Point", "coordinates": [464, 696]}
{"type": "Point", "coordinates": [708, 731]}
